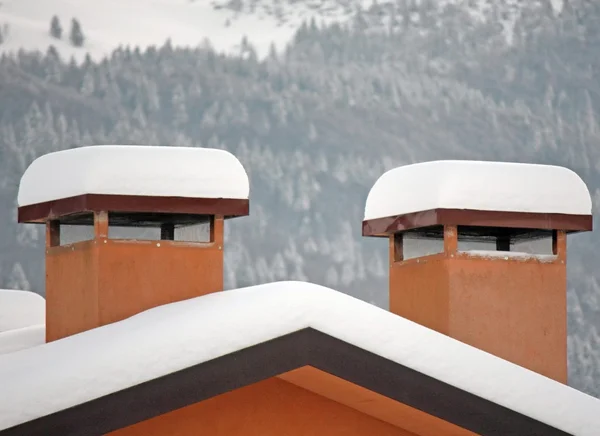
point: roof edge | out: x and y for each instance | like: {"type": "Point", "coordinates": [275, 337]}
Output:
{"type": "Point", "coordinates": [381, 227]}
{"type": "Point", "coordinates": [55, 209]}
{"type": "Point", "coordinates": [305, 347]}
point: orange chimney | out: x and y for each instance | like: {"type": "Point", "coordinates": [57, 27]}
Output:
{"type": "Point", "coordinates": [478, 252]}
{"type": "Point", "coordinates": [129, 228]}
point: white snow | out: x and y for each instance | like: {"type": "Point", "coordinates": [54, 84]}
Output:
{"type": "Point", "coordinates": [20, 309]}
{"type": "Point", "coordinates": [134, 170]}
{"type": "Point", "coordinates": [22, 319]}
{"type": "Point", "coordinates": [22, 338]}
{"type": "Point", "coordinates": [108, 24]}
{"type": "Point", "coordinates": [478, 185]}
{"type": "Point", "coordinates": [61, 374]}
{"type": "Point", "coordinates": [513, 255]}
{"type": "Point", "coordinates": [557, 6]}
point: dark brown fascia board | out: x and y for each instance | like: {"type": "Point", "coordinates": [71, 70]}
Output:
{"type": "Point", "coordinates": [260, 362]}
{"type": "Point", "coordinates": [383, 227]}
{"type": "Point", "coordinates": [41, 212]}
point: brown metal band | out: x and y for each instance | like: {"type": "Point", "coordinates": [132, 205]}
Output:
{"type": "Point", "coordinates": [41, 212]}
{"type": "Point", "coordinates": [476, 218]}
{"type": "Point", "coordinates": [274, 357]}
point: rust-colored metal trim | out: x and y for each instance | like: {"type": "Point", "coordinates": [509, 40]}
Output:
{"type": "Point", "coordinates": [41, 212]}
{"type": "Point", "coordinates": [383, 227]}
{"type": "Point", "coordinates": [307, 347]}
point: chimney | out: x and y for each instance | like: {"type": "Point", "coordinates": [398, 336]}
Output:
{"type": "Point", "coordinates": [129, 228]}
{"type": "Point", "coordinates": [478, 252]}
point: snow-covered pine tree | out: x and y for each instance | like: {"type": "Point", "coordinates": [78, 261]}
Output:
{"type": "Point", "coordinates": [55, 28]}
{"type": "Point", "coordinates": [76, 36]}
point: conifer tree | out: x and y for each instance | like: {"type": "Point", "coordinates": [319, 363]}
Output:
{"type": "Point", "coordinates": [55, 28]}
{"type": "Point", "coordinates": [76, 35]}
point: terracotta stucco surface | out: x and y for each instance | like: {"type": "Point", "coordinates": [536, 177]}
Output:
{"type": "Point", "coordinates": [270, 407]}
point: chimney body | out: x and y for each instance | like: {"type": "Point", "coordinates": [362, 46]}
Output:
{"type": "Point", "coordinates": [129, 228]}
{"type": "Point", "coordinates": [453, 228]}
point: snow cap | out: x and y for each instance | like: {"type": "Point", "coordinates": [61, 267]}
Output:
{"type": "Point", "coordinates": [134, 171]}
{"type": "Point", "coordinates": [478, 185]}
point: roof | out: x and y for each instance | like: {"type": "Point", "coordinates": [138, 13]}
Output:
{"type": "Point", "coordinates": [181, 353]}
{"type": "Point", "coordinates": [22, 338]}
{"type": "Point", "coordinates": [134, 171]}
{"type": "Point", "coordinates": [478, 185]}
{"type": "Point", "coordinates": [22, 320]}
{"type": "Point", "coordinates": [20, 309]}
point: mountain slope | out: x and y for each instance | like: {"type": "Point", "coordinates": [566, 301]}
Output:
{"type": "Point", "coordinates": [25, 24]}
{"type": "Point", "coordinates": [108, 24]}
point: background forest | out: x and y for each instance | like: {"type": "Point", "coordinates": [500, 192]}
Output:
{"type": "Point", "coordinates": [316, 124]}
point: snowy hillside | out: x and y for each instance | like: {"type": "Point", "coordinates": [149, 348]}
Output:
{"type": "Point", "coordinates": [106, 24]}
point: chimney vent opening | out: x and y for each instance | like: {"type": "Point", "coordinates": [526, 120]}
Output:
{"type": "Point", "coordinates": [71, 230]}
{"type": "Point", "coordinates": [504, 240]}
{"type": "Point", "coordinates": [429, 241]}
{"type": "Point", "coordinates": [142, 227]}
{"type": "Point", "coordinates": [419, 243]}
{"type": "Point", "coordinates": [157, 227]}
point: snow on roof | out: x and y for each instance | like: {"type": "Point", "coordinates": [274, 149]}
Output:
{"type": "Point", "coordinates": [134, 170]}
{"type": "Point", "coordinates": [22, 320]}
{"type": "Point", "coordinates": [478, 185]}
{"type": "Point", "coordinates": [20, 309]}
{"type": "Point", "coordinates": [46, 379]}
{"type": "Point", "coordinates": [22, 338]}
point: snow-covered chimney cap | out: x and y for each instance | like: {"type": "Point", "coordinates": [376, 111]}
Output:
{"type": "Point", "coordinates": [445, 192]}
{"type": "Point", "coordinates": [133, 173]}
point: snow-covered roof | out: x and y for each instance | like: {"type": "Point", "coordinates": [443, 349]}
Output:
{"type": "Point", "coordinates": [22, 320]}
{"type": "Point", "coordinates": [55, 376]}
{"type": "Point", "coordinates": [19, 309]}
{"type": "Point", "coordinates": [134, 170]}
{"type": "Point", "coordinates": [478, 185]}
{"type": "Point", "coordinates": [22, 338]}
